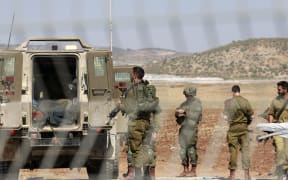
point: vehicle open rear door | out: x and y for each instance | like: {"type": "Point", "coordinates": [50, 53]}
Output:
{"type": "Point", "coordinates": [10, 89]}
{"type": "Point", "coordinates": [99, 68]}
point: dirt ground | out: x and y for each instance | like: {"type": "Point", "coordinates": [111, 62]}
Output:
{"type": "Point", "coordinates": [212, 148]}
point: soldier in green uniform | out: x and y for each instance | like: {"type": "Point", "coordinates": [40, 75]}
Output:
{"type": "Point", "coordinates": [188, 115]}
{"type": "Point", "coordinates": [151, 105]}
{"type": "Point", "coordinates": [278, 113]}
{"type": "Point", "coordinates": [239, 113]}
{"type": "Point", "coordinates": [138, 121]}
{"type": "Point", "coordinates": [152, 131]}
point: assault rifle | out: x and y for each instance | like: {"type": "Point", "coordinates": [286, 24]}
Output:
{"type": "Point", "coordinates": [116, 110]}
{"type": "Point", "coordinates": [112, 114]}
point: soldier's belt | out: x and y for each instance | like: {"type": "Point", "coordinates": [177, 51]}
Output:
{"type": "Point", "coordinates": [143, 118]}
{"type": "Point", "coordinates": [237, 124]}
{"type": "Point", "coordinates": [143, 115]}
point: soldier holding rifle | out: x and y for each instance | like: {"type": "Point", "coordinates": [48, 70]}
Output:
{"type": "Point", "coordinates": [138, 109]}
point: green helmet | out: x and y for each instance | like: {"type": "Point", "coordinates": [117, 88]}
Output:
{"type": "Point", "coordinates": [189, 91]}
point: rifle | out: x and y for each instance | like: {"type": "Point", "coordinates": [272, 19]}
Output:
{"type": "Point", "coordinates": [116, 109]}
{"type": "Point", "coordinates": [112, 114]}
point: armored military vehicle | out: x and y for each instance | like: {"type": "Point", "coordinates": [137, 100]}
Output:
{"type": "Point", "coordinates": [55, 95]}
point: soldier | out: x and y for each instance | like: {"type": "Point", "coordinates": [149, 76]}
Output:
{"type": "Point", "coordinates": [278, 113]}
{"type": "Point", "coordinates": [280, 95]}
{"type": "Point", "coordinates": [188, 115]}
{"type": "Point", "coordinates": [150, 105]}
{"type": "Point", "coordinates": [239, 114]}
{"type": "Point", "coordinates": [138, 121]}
{"type": "Point", "coordinates": [152, 131]}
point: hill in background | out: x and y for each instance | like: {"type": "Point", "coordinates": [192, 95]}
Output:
{"type": "Point", "coordinates": [249, 59]}
{"type": "Point", "coordinates": [142, 56]}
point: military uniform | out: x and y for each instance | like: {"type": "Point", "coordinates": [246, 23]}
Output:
{"type": "Point", "coordinates": [280, 144]}
{"type": "Point", "coordinates": [138, 110]}
{"type": "Point", "coordinates": [238, 110]}
{"type": "Point", "coordinates": [150, 105]}
{"type": "Point", "coordinates": [150, 143]}
{"type": "Point", "coordinates": [188, 130]}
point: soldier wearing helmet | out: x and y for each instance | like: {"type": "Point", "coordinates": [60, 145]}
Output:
{"type": "Point", "coordinates": [188, 115]}
{"type": "Point", "coordinates": [189, 91]}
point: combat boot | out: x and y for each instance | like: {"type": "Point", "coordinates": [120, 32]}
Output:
{"type": "Point", "coordinates": [128, 171]}
{"type": "Point", "coordinates": [130, 174]}
{"type": "Point", "coordinates": [152, 173]}
{"type": "Point", "coordinates": [279, 172]}
{"type": "Point", "coordinates": [232, 174]}
{"type": "Point", "coordinates": [184, 172]}
{"type": "Point", "coordinates": [192, 172]}
{"type": "Point", "coordinates": [146, 170]}
{"type": "Point", "coordinates": [138, 174]}
{"type": "Point", "coordinates": [247, 174]}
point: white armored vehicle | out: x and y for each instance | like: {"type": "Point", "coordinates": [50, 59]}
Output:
{"type": "Point", "coordinates": [55, 95]}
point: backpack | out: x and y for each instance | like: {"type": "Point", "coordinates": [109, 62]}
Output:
{"type": "Point", "coordinates": [150, 102]}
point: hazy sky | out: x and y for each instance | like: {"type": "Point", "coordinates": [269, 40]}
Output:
{"type": "Point", "coordinates": [182, 25]}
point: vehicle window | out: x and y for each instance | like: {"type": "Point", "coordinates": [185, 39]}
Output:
{"type": "Point", "coordinates": [122, 77]}
{"type": "Point", "coordinates": [7, 67]}
{"type": "Point", "coordinates": [54, 45]}
{"type": "Point", "coordinates": [99, 66]}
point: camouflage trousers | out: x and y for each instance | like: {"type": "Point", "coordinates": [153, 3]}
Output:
{"type": "Point", "coordinates": [238, 140]}
{"type": "Point", "coordinates": [136, 135]}
{"type": "Point", "coordinates": [151, 149]}
{"type": "Point", "coordinates": [188, 146]}
{"type": "Point", "coordinates": [281, 149]}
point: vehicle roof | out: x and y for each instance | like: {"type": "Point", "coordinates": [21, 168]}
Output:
{"type": "Point", "coordinates": [84, 45]}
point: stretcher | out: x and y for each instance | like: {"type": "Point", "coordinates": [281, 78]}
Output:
{"type": "Point", "coordinates": [272, 129]}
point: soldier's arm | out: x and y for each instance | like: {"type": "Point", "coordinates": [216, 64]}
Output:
{"type": "Point", "coordinates": [225, 111]}
{"type": "Point", "coordinates": [250, 111]}
{"type": "Point", "coordinates": [271, 113]}
{"type": "Point", "coordinates": [155, 120]}
{"type": "Point", "coordinates": [194, 112]}
{"type": "Point", "coordinates": [148, 105]}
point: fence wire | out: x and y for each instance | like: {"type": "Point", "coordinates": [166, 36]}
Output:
{"type": "Point", "coordinates": [138, 24]}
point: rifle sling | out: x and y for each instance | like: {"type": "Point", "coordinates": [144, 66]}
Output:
{"type": "Point", "coordinates": [281, 110]}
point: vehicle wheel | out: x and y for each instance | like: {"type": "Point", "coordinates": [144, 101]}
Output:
{"type": "Point", "coordinates": [4, 167]}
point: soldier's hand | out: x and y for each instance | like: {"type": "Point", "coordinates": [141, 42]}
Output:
{"type": "Point", "coordinates": [179, 112]}
{"type": "Point", "coordinates": [154, 136]}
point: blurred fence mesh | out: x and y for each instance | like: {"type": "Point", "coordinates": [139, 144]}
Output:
{"type": "Point", "coordinates": [136, 25]}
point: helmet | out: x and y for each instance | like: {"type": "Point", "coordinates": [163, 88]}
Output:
{"type": "Point", "coordinates": [189, 91]}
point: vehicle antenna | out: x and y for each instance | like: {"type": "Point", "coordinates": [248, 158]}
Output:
{"type": "Point", "coordinates": [110, 23]}
{"type": "Point", "coordinates": [11, 28]}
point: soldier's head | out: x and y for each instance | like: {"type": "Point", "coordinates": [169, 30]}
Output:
{"type": "Point", "coordinates": [189, 91]}
{"type": "Point", "coordinates": [282, 88]}
{"type": "Point", "coordinates": [235, 89]}
{"type": "Point", "coordinates": [138, 73]}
